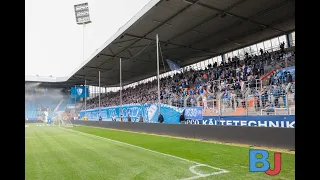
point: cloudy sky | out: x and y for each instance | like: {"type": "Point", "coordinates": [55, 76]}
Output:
{"type": "Point", "coordinates": [54, 40]}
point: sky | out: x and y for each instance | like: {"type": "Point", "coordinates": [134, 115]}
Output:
{"type": "Point", "coordinates": [53, 40]}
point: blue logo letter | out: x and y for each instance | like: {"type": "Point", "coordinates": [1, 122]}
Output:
{"type": "Point", "coordinates": [253, 160]}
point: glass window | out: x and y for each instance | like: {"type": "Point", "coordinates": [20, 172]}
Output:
{"type": "Point", "coordinates": [267, 45]}
{"type": "Point", "coordinates": [253, 49]}
{"type": "Point", "coordinates": [241, 53]}
{"type": "Point", "coordinates": [201, 64]}
{"type": "Point", "coordinates": [275, 44]}
{"type": "Point", "coordinates": [225, 56]}
{"type": "Point", "coordinates": [214, 59]}
{"type": "Point", "coordinates": [235, 53]}
{"type": "Point", "coordinates": [247, 50]}
{"type": "Point", "coordinates": [206, 63]}
{"type": "Point", "coordinates": [230, 55]}
{"type": "Point", "coordinates": [283, 39]}
{"type": "Point", "coordinates": [195, 66]}
{"type": "Point", "coordinates": [219, 60]}
{"type": "Point", "coordinates": [260, 46]}
{"type": "Point", "coordinates": [293, 35]}
{"type": "Point", "coordinates": [211, 61]}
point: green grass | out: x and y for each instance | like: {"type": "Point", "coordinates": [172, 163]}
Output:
{"type": "Point", "coordinates": [56, 153]}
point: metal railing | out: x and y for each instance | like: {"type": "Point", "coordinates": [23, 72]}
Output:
{"type": "Point", "coordinates": [252, 104]}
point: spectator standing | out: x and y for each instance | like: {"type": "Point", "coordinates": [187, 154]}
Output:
{"type": "Point", "coordinates": [269, 108]}
{"type": "Point", "coordinates": [140, 118]}
{"type": "Point", "coordinates": [276, 94]}
{"type": "Point", "coordinates": [113, 118]}
{"type": "Point", "coordinates": [289, 77]}
{"type": "Point", "coordinates": [284, 95]}
{"type": "Point", "coordinates": [261, 68]}
{"type": "Point", "coordinates": [182, 118]}
{"type": "Point", "coordinates": [160, 118]}
{"type": "Point", "coordinates": [129, 118]}
{"type": "Point", "coordinates": [264, 96]}
{"type": "Point", "coordinates": [205, 77]}
{"type": "Point", "coordinates": [282, 48]}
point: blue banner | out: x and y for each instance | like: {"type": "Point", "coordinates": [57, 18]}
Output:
{"type": "Point", "coordinates": [79, 92]}
{"type": "Point", "coordinates": [149, 113]}
{"type": "Point", "coordinates": [194, 113]}
{"type": "Point", "coordinates": [260, 121]}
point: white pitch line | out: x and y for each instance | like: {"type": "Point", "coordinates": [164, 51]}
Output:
{"type": "Point", "coordinates": [199, 175]}
{"type": "Point", "coordinates": [191, 169]}
{"type": "Point", "coordinates": [30, 137]}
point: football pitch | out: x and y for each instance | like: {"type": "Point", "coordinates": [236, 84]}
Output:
{"type": "Point", "coordinates": [96, 153]}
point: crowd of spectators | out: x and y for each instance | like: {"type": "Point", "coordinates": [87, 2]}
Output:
{"type": "Point", "coordinates": [229, 79]}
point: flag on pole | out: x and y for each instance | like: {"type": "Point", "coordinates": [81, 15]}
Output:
{"type": "Point", "coordinates": [173, 66]}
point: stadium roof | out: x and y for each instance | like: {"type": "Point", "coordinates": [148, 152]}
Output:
{"type": "Point", "coordinates": [189, 31]}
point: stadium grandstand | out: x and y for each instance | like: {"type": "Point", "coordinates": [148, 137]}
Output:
{"type": "Point", "coordinates": [202, 60]}
{"type": "Point", "coordinates": [41, 98]}
{"type": "Point", "coordinates": [239, 76]}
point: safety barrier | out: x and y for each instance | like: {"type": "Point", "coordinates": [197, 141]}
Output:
{"type": "Point", "coordinates": [283, 138]}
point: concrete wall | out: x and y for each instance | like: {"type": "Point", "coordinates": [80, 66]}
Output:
{"type": "Point", "coordinates": [283, 138]}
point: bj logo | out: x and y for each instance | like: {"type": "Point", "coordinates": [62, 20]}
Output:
{"type": "Point", "coordinates": [254, 160]}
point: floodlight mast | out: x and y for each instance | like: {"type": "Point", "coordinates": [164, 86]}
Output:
{"type": "Point", "coordinates": [158, 76]}
{"type": "Point", "coordinates": [83, 18]}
